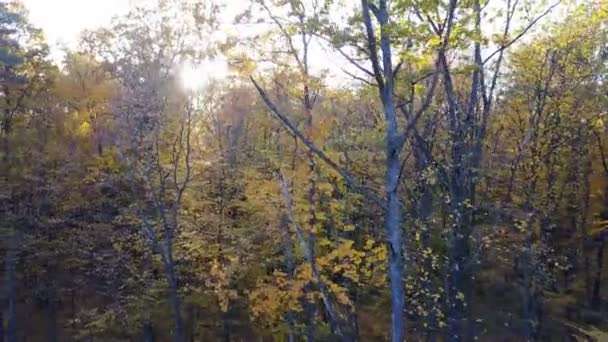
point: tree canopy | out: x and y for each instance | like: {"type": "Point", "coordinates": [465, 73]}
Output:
{"type": "Point", "coordinates": [432, 170]}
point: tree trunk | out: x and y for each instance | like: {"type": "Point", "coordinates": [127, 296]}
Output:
{"type": "Point", "coordinates": [191, 317]}
{"type": "Point", "coordinates": [148, 332]}
{"type": "Point", "coordinates": [424, 210]}
{"type": "Point", "coordinates": [52, 319]}
{"type": "Point", "coordinates": [585, 233]}
{"type": "Point", "coordinates": [310, 309]}
{"type": "Point", "coordinates": [291, 336]}
{"type": "Point", "coordinates": [528, 295]}
{"type": "Point", "coordinates": [174, 296]}
{"type": "Point", "coordinates": [354, 319]}
{"type": "Point", "coordinates": [393, 227]}
{"type": "Point", "coordinates": [226, 327]}
{"type": "Point", "coordinates": [1, 323]}
{"type": "Point", "coordinates": [385, 80]}
{"type": "Point", "coordinates": [596, 298]}
{"type": "Point", "coordinates": [289, 265]}
{"type": "Point", "coordinates": [458, 249]}
{"type": "Point", "coordinates": [11, 296]}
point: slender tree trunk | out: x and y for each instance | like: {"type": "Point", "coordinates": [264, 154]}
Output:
{"type": "Point", "coordinates": [312, 219]}
{"type": "Point", "coordinates": [586, 267]}
{"type": "Point", "coordinates": [302, 237]}
{"type": "Point", "coordinates": [458, 249]}
{"type": "Point", "coordinates": [528, 263]}
{"type": "Point", "coordinates": [291, 335]}
{"type": "Point", "coordinates": [424, 210]}
{"type": "Point", "coordinates": [585, 230]}
{"type": "Point", "coordinates": [190, 323]}
{"type": "Point", "coordinates": [289, 265]}
{"type": "Point", "coordinates": [147, 328]}
{"type": "Point", "coordinates": [226, 327]}
{"type": "Point", "coordinates": [393, 227]}
{"type": "Point", "coordinates": [1, 323]}
{"type": "Point", "coordinates": [51, 310]}
{"type": "Point", "coordinates": [11, 248]}
{"type": "Point", "coordinates": [73, 308]}
{"type": "Point", "coordinates": [310, 320]}
{"type": "Point", "coordinates": [11, 296]}
{"type": "Point", "coordinates": [385, 80]}
{"type": "Point", "coordinates": [596, 298]}
{"type": "Point", "coordinates": [530, 307]}
{"type": "Point", "coordinates": [148, 332]}
{"type": "Point", "coordinates": [354, 318]}
{"type": "Point", "coordinates": [174, 295]}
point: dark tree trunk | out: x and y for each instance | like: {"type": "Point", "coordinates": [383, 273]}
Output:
{"type": "Point", "coordinates": [585, 231]}
{"type": "Point", "coordinates": [291, 336]}
{"type": "Point", "coordinates": [191, 318]}
{"type": "Point", "coordinates": [354, 319]}
{"type": "Point", "coordinates": [529, 312]}
{"type": "Point", "coordinates": [11, 299]}
{"type": "Point", "coordinates": [148, 332]}
{"type": "Point", "coordinates": [458, 243]}
{"type": "Point", "coordinates": [51, 310]}
{"type": "Point", "coordinates": [1, 323]}
{"type": "Point", "coordinates": [596, 298]}
{"type": "Point", "coordinates": [310, 320]}
{"type": "Point", "coordinates": [226, 327]}
{"type": "Point", "coordinates": [424, 209]}
{"type": "Point", "coordinates": [174, 296]}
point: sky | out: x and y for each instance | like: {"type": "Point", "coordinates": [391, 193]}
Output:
{"type": "Point", "coordinates": [63, 20]}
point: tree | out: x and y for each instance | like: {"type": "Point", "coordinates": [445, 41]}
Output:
{"type": "Point", "coordinates": [23, 79]}
{"type": "Point", "coordinates": [156, 122]}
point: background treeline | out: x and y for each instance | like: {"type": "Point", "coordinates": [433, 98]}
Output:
{"type": "Point", "coordinates": [455, 190]}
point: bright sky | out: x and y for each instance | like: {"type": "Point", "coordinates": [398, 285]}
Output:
{"type": "Point", "coordinates": [63, 20]}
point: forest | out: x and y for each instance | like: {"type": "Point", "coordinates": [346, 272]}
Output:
{"type": "Point", "coordinates": [446, 180]}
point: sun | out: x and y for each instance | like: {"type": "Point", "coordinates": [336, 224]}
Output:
{"type": "Point", "coordinates": [195, 77]}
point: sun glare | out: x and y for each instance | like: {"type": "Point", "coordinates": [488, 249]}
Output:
{"type": "Point", "coordinates": [195, 77]}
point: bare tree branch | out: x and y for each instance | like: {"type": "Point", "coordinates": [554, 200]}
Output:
{"type": "Point", "coordinates": [312, 147]}
{"type": "Point", "coordinates": [522, 33]}
{"type": "Point", "coordinates": [325, 295]}
{"type": "Point", "coordinates": [602, 154]}
{"type": "Point", "coordinates": [347, 57]}
{"type": "Point", "coordinates": [286, 34]}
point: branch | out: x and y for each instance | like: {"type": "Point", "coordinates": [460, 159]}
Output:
{"type": "Point", "coordinates": [182, 187]}
{"type": "Point", "coordinates": [285, 34]}
{"type": "Point", "coordinates": [398, 68]}
{"type": "Point", "coordinates": [346, 56]}
{"type": "Point", "coordinates": [308, 252]}
{"type": "Point", "coordinates": [428, 18]}
{"type": "Point", "coordinates": [375, 11]}
{"type": "Point", "coordinates": [358, 78]}
{"type": "Point", "coordinates": [490, 93]}
{"type": "Point", "coordinates": [522, 33]}
{"type": "Point", "coordinates": [372, 44]}
{"type": "Point", "coordinates": [313, 148]}
{"type": "Point", "coordinates": [448, 83]}
{"type": "Point", "coordinates": [602, 154]}
{"type": "Point", "coordinates": [477, 81]}
{"type": "Point", "coordinates": [425, 104]}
